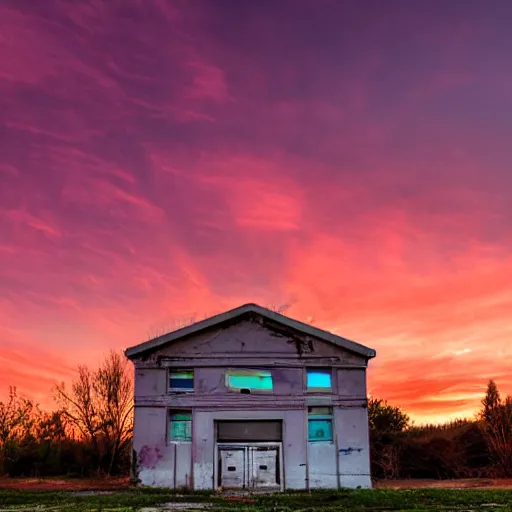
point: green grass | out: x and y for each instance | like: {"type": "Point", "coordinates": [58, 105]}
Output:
{"type": "Point", "coordinates": [414, 500]}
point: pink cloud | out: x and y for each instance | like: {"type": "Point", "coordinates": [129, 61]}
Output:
{"type": "Point", "coordinates": [36, 223]}
{"type": "Point", "coordinates": [208, 83]}
{"type": "Point", "coordinates": [164, 160]}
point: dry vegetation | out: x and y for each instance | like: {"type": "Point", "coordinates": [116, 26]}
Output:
{"type": "Point", "coordinates": [89, 435]}
{"type": "Point", "coordinates": [154, 500]}
{"type": "Point", "coordinates": [464, 449]}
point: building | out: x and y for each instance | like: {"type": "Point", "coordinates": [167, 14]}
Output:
{"type": "Point", "coordinates": [251, 399]}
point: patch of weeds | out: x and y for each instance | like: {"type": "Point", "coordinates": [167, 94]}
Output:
{"type": "Point", "coordinates": [387, 499]}
{"type": "Point", "coordinates": [358, 500]}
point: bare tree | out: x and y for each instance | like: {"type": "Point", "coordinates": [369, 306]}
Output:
{"type": "Point", "coordinates": [175, 324]}
{"type": "Point", "coordinates": [278, 308]}
{"type": "Point", "coordinates": [389, 461]}
{"type": "Point", "coordinates": [49, 435]}
{"type": "Point", "coordinates": [79, 405]}
{"type": "Point", "coordinates": [113, 387]}
{"type": "Point", "coordinates": [99, 406]}
{"type": "Point", "coordinates": [15, 423]}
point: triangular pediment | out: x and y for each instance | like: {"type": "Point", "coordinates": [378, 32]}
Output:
{"type": "Point", "coordinates": [250, 328]}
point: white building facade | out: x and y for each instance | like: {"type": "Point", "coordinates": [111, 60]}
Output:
{"type": "Point", "coordinates": [251, 399]}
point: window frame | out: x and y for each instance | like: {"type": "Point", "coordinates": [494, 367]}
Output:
{"type": "Point", "coordinates": [317, 389]}
{"type": "Point", "coordinates": [178, 412]}
{"type": "Point", "coordinates": [247, 372]}
{"type": "Point", "coordinates": [171, 389]}
{"type": "Point", "coordinates": [328, 416]}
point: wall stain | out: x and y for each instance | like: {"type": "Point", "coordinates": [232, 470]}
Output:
{"type": "Point", "coordinates": [149, 456]}
{"type": "Point", "coordinates": [349, 450]}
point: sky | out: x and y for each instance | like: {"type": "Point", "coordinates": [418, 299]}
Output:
{"type": "Point", "coordinates": [165, 160]}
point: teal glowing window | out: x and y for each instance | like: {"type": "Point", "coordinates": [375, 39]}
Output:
{"type": "Point", "coordinates": [320, 424]}
{"type": "Point", "coordinates": [182, 380]}
{"type": "Point", "coordinates": [181, 426]}
{"type": "Point", "coordinates": [252, 380]}
{"type": "Point", "coordinates": [319, 380]}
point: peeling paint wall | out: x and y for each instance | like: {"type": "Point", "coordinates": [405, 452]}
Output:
{"type": "Point", "coordinates": [250, 337]}
{"type": "Point", "coordinates": [322, 465]}
{"type": "Point", "coordinates": [344, 462]}
{"type": "Point", "coordinates": [295, 435]}
{"type": "Point", "coordinates": [156, 458]}
{"type": "Point", "coordinates": [352, 382]}
{"type": "Point", "coordinates": [150, 382]}
{"type": "Point", "coordinates": [353, 447]}
{"type": "Point", "coordinates": [288, 381]}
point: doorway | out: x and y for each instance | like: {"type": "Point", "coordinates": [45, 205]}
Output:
{"type": "Point", "coordinates": [252, 467]}
{"type": "Point", "coordinates": [249, 454]}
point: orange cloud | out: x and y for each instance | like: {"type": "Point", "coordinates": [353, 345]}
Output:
{"type": "Point", "coordinates": [134, 194]}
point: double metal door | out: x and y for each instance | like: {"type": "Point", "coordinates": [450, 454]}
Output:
{"type": "Point", "coordinates": [249, 467]}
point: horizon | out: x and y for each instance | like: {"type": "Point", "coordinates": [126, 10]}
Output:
{"type": "Point", "coordinates": [168, 160]}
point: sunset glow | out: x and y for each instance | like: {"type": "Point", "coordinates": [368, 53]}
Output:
{"type": "Point", "coordinates": [168, 160]}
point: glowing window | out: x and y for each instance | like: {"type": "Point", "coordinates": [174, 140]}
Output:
{"type": "Point", "coordinates": [319, 380]}
{"type": "Point", "coordinates": [320, 424]}
{"type": "Point", "coordinates": [180, 426]}
{"type": "Point", "coordinates": [181, 381]}
{"type": "Point", "coordinates": [257, 380]}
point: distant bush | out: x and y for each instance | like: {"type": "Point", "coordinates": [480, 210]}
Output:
{"type": "Point", "coordinates": [89, 435]}
{"type": "Point", "coordinates": [456, 449]}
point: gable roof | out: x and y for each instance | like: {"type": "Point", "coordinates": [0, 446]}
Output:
{"type": "Point", "coordinates": [217, 320]}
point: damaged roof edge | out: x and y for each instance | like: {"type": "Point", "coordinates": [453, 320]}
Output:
{"type": "Point", "coordinates": [216, 320]}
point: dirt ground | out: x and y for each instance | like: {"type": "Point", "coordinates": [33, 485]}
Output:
{"type": "Point", "coordinates": [470, 483]}
{"type": "Point", "coordinates": [105, 484]}
{"type": "Point", "coordinates": [60, 484]}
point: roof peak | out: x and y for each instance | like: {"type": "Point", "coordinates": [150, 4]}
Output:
{"type": "Point", "coordinates": [218, 319]}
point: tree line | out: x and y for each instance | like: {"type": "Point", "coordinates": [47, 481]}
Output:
{"type": "Point", "coordinates": [89, 433]}
{"type": "Point", "coordinates": [469, 448]}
